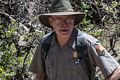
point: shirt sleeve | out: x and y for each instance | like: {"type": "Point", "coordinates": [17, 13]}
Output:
{"type": "Point", "coordinates": [102, 59]}
{"type": "Point", "coordinates": [37, 64]}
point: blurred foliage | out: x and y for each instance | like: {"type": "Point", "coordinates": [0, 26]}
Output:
{"type": "Point", "coordinates": [20, 30]}
{"type": "Point", "coordinates": [17, 45]}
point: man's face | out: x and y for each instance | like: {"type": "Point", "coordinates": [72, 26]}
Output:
{"type": "Point", "coordinates": [62, 25]}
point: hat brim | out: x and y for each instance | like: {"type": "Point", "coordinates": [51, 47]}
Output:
{"type": "Point", "coordinates": [44, 17]}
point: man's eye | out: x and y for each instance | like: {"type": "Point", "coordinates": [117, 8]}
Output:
{"type": "Point", "coordinates": [59, 19]}
{"type": "Point", "coordinates": [69, 20]}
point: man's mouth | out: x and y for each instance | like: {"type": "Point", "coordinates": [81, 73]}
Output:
{"type": "Point", "coordinates": [64, 30]}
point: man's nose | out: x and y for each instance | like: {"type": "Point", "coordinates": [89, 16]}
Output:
{"type": "Point", "coordinates": [64, 22]}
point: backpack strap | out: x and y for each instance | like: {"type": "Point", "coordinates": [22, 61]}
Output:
{"type": "Point", "coordinates": [46, 43]}
{"type": "Point", "coordinates": [45, 46]}
{"type": "Point", "coordinates": [81, 48]}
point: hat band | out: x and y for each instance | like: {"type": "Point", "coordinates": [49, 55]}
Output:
{"type": "Point", "coordinates": [62, 10]}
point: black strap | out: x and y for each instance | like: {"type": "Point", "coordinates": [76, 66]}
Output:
{"type": "Point", "coordinates": [45, 46]}
{"type": "Point", "coordinates": [82, 50]}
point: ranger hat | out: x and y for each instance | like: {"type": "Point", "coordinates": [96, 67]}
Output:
{"type": "Point", "coordinates": [60, 7]}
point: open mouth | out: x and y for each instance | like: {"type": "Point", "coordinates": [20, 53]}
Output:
{"type": "Point", "coordinates": [64, 30]}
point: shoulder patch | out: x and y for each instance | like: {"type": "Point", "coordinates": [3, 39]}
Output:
{"type": "Point", "coordinates": [99, 48]}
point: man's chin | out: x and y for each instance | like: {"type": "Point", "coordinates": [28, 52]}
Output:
{"type": "Point", "coordinates": [65, 36]}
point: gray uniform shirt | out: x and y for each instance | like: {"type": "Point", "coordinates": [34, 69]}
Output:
{"type": "Point", "coordinates": [60, 65]}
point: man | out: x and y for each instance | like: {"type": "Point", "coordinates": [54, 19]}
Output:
{"type": "Point", "coordinates": [65, 56]}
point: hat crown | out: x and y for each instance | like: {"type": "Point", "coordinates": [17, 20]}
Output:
{"type": "Point", "coordinates": [61, 6]}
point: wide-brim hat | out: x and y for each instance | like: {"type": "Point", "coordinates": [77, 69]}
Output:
{"type": "Point", "coordinates": [59, 8]}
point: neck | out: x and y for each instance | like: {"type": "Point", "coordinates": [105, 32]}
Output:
{"type": "Point", "coordinates": [62, 41]}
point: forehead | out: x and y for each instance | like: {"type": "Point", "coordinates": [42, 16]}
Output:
{"type": "Point", "coordinates": [63, 16]}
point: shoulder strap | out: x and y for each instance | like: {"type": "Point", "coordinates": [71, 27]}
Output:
{"type": "Point", "coordinates": [45, 46]}
{"type": "Point", "coordinates": [46, 43]}
{"type": "Point", "coordinates": [82, 49]}
{"type": "Point", "coordinates": [83, 56]}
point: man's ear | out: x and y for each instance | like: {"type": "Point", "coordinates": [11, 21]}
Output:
{"type": "Point", "coordinates": [50, 21]}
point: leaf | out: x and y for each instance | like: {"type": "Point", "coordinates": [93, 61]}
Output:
{"type": "Point", "coordinates": [1, 70]}
{"type": "Point", "coordinates": [1, 26]}
{"type": "Point", "coordinates": [98, 33]}
{"type": "Point", "coordinates": [10, 74]}
{"type": "Point", "coordinates": [20, 60]}
{"type": "Point", "coordinates": [84, 6]}
{"type": "Point", "coordinates": [114, 4]}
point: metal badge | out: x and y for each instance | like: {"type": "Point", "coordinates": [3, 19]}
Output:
{"type": "Point", "coordinates": [75, 55]}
